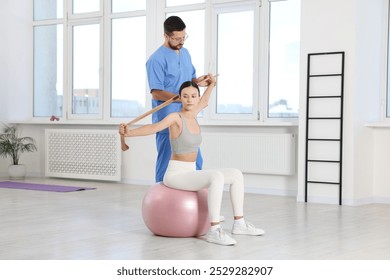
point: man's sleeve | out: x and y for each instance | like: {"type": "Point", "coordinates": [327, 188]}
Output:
{"type": "Point", "coordinates": [156, 75]}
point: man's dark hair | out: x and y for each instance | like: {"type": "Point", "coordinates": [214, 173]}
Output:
{"type": "Point", "coordinates": [173, 23]}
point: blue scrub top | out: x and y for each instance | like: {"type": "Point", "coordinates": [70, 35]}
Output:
{"type": "Point", "coordinates": [167, 71]}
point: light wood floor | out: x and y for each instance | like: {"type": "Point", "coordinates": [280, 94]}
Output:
{"type": "Point", "coordinates": [106, 224]}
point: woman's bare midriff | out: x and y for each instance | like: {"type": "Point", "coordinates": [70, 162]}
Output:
{"type": "Point", "coordinates": [191, 157]}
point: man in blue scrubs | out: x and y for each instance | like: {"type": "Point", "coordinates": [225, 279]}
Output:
{"type": "Point", "coordinates": [167, 68]}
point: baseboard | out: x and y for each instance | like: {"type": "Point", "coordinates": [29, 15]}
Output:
{"type": "Point", "coordinates": [350, 202]}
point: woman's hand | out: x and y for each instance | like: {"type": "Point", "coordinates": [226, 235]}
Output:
{"type": "Point", "coordinates": [123, 129]}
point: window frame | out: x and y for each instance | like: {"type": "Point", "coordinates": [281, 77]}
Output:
{"type": "Point", "coordinates": [70, 75]}
{"type": "Point", "coordinates": [268, 24]}
{"type": "Point", "coordinates": [229, 8]}
{"type": "Point", "coordinates": [150, 12]}
{"type": "Point", "coordinates": [49, 22]}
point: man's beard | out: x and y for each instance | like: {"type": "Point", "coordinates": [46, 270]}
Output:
{"type": "Point", "coordinates": [176, 48]}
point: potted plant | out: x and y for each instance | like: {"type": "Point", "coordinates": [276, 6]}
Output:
{"type": "Point", "coordinates": [12, 145]}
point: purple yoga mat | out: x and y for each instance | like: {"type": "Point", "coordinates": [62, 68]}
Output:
{"type": "Point", "coordinates": [41, 187]}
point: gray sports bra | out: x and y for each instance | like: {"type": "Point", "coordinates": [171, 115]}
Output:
{"type": "Point", "coordinates": [186, 142]}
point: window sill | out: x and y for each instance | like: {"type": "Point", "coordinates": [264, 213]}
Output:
{"type": "Point", "coordinates": [243, 123]}
{"type": "Point", "coordinates": [220, 123]}
{"type": "Point", "coordinates": [64, 122]}
{"type": "Point", "coordinates": [383, 124]}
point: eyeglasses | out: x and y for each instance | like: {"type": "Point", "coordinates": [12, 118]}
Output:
{"type": "Point", "coordinates": [178, 40]}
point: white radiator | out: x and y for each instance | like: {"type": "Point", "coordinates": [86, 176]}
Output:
{"type": "Point", "coordinates": [83, 154]}
{"type": "Point", "coordinates": [259, 153]}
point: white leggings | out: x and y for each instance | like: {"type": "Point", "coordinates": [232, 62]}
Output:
{"type": "Point", "coordinates": [184, 176]}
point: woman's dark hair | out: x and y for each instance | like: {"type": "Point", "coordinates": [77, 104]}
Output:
{"type": "Point", "coordinates": [188, 84]}
{"type": "Point", "coordinates": [173, 23]}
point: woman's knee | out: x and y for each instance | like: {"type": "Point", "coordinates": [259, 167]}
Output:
{"type": "Point", "coordinates": [236, 175]}
{"type": "Point", "coordinates": [216, 178]}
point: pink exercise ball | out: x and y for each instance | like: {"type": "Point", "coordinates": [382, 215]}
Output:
{"type": "Point", "coordinates": [175, 213]}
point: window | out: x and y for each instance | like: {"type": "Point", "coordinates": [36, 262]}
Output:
{"type": "Point", "coordinates": [48, 9]}
{"type": "Point", "coordinates": [259, 79]}
{"type": "Point", "coordinates": [48, 59]}
{"type": "Point", "coordinates": [128, 83]}
{"type": "Point", "coordinates": [171, 3]}
{"type": "Point", "coordinates": [90, 64]}
{"type": "Point", "coordinates": [235, 62]}
{"type": "Point", "coordinates": [127, 6]}
{"type": "Point", "coordinates": [284, 59]}
{"type": "Point", "coordinates": [86, 90]}
{"type": "Point", "coordinates": [103, 77]}
{"type": "Point", "coordinates": [85, 6]}
{"type": "Point", "coordinates": [48, 70]}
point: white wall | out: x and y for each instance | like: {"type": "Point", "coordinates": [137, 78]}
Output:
{"type": "Point", "coordinates": [370, 49]}
{"type": "Point", "coordinates": [381, 173]}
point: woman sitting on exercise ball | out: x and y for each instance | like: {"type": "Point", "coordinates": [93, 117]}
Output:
{"type": "Point", "coordinates": [185, 137]}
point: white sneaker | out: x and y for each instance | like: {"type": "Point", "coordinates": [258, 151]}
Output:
{"type": "Point", "coordinates": [220, 237]}
{"type": "Point", "coordinates": [247, 229]}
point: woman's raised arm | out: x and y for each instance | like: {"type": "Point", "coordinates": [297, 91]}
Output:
{"type": "Point", "coordinates": [204, 100]}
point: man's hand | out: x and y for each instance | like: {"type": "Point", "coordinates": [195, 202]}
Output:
{"type": "Point", "coordinates": [206, 80]}
{"type": "Point", "coordinates": [203, 81]}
